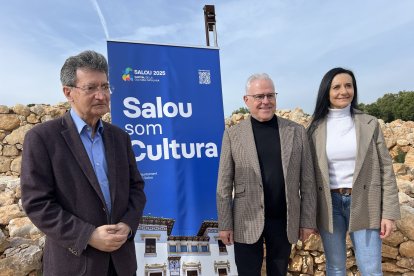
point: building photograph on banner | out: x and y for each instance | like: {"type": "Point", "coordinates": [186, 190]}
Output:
{"type": "Point", "coordinates": [169, 100]}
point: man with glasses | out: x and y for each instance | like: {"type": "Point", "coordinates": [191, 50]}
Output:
{"type": "Point", "coordinates": [265, 189]}
{"type": "Point", "coordinates": [80, 182]}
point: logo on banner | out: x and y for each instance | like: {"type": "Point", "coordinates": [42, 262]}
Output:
{"type": "Point", "coordinates": [204, 77]}
{"type": "Point", "coordinates": [145, 75]}
{"type": "Point", "coordinates": [127, 74]}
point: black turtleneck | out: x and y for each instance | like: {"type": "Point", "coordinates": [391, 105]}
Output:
{"type": "Point", "coordinates": [266, 136]}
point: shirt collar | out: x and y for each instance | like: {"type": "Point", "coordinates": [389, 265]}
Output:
{"type": "Point", "coordinates": [80, 124]}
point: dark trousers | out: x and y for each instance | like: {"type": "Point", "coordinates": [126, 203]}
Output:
{"type": "Point", "coordinates": [249, 257]}
{"type": "Point", "coordinates": [111, 269]}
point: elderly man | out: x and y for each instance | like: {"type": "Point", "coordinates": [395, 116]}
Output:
{"type": "Point", "coordinates": [80, 183]}
{"type": "Point", "coordinates": [265, 189]}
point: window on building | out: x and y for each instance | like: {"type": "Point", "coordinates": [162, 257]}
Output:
{"type": "Point", "coordinates": [173, 248]}
{"type": "Point", "coordinates": [222, 247]}
{"type": "Point", "coordinates": [222, 272]}
{"type": "Point", "coordinates": [183, 248]}
{"type": "Point", "coordinates": [192, 273]}
{"type": "Point", "coordinates": [150, 246]}
{"type": "Point", "coordinates": [204, 248]}
{"type": "Point", "coordinates": [194, 248]}
{"type": "Point", "coordinates": [157, 274]}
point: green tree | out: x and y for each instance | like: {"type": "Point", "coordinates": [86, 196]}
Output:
{"type": "Point", "coordinates": [392, 106]}
{"type": "Point", "coordinates": [242, 110]}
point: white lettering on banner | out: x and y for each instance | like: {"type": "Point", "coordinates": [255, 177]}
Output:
{"type": "Point", "coordinates": [142, 72]}
{"type": "Point", "coordinates": [176, 150]}
{"type": "Point", "coordinates": [149, 110]}
{"type": "Point", "coordinates": [143, 129]}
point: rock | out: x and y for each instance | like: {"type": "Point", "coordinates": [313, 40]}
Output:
{"type": "Point", "coordinates": [399, 168]}
{"type": "Point", "coordinates": [406, 263]}
{"type": "Point", "coordinates": [46, 118]}
{"type": "Point", "coordinates": [402, 142]}
{"type": "Point", "coordinates": [313, 243]}
{"type": "Point", "coordinates": [394, 239]}
{"type": "Point", "coordinates": [24, 228]}
{"type": "Point", "coordinates": [406, 223]}
{"type": "Point", "coordinates": [350, 262]}
{"type": "Point", "coordinates": [296, 264]}
{"type": "Point", "coordinates": [107, 117]}
{"type": "Point", "coordinates": [405, 186]}
{"type": "Point", "coordinates": [9, 121]}
{"type": "Point", "coordinates": [10, 150]}
{"type": "Point", "coordinates": [16, 165]}
{"type": "Point", "coordinates": [407, 249]}
{"type": "Point", "coordinates": [390, 267]}
{"type": "Point", "coordinates": [9, 212]}
{"type": "Point", "coordinates": [4, 109]}
{"type": "Point", "coordinates": [409, 158]}
{"type": "Point", "coordinates": [33, 119]}
{"type": "Point", "coordinates": [390, 142]}
{"type": "Point", "coordinates": [297, 115]}
{"type": "Point", "coordinates": [4, 164]}
{"type": "Point", "coordinates": [3, 242]}
{"type": "Point", "coordinates": [7, 197]}
{"type": "Point", "coordinates": [21, 260]}
{"type": "Point", "coordinates": [38, 110]}
{"type": "Point", "coordinates": [21, 110]}
{"type": "Point", "coordinates": [235, 118]}
{"type": "Point", "coordinates": [389, 252]}
{"type": "Point", "coordinates": [17, 135]}
{"type": "Point", "coordinates": [320, 259]}
{"type": "Point", "coordinates": [404, 198]}
{"type": "Point", "coordinates": [307, 265]}
{"type": "Point", "coordinates": [410, 138]}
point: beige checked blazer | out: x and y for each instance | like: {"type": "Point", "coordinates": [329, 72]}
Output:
{"type": "Point", "coordinates": [374, 188]}
{"type": "Point", "coordinates": [239, 171]}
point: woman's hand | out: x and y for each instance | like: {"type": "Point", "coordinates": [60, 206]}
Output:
{"type": "Point", "coordinates": [387, 227]}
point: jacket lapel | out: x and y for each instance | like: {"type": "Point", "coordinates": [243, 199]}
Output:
{"type": "Point", "coordinates": [364, 129]}
{"type": "Point", "coordinates": [250, 146]}
{"type": "Point", "coordinates": [319, 140]}
{"type": "Point", "coordinates": [286, 133]}
{"type": "Point", "coordinates": [74, 143]}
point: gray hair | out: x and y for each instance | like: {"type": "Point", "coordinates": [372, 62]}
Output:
{"type": "Point", "coordinates": [89, 60]}
{"type": "Point", "coordinates": [257, 76]}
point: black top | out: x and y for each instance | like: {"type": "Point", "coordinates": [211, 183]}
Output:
{"type": "Point", "coordinates": [267, 138]}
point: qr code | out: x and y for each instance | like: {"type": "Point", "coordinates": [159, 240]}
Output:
{"type": "Point", "coordinates": [204, 77]}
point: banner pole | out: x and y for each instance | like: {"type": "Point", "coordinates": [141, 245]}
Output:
{"type": "Point", "coordinates": [210, 23]}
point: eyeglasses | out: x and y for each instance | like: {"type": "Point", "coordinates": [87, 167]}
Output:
{"type": "Point", "coordinates": [261, 97]}
{"type": "Point", "coordinates": [92, 89]}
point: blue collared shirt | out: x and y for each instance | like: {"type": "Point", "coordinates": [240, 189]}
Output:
{"type": "Point", "coordinates": [96, 151]}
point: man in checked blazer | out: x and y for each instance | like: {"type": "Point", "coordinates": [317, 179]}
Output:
{"type": "Point", "coordinates": [80, 182]}
{"type": "Point", "coordinates": [266, 185]}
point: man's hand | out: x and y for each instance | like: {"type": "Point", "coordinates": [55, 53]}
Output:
{"type": "Point", "coordinates": [109, 238]}
{"type": "Point", "coordinates": [120, 228]}
{"type": "Point", "coordinates": [226, 237]}
{"type": "Point", "coordinates": [387, 227]}
{"type": "Point", "coordinates": [304, 233]}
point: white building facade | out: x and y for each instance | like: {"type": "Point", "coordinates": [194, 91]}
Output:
{"type": "Point", "coordinates": [160, 254]}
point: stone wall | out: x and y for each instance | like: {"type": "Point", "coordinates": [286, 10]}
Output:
{"type": "Point", "coordinates": [21, 243]}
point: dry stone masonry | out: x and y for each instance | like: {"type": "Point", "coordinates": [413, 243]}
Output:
{"type": "Point", "coordinates": [21, 243]}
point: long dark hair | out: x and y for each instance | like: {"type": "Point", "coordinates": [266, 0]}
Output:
{"type": "Point", "coordinates": [322, 101]}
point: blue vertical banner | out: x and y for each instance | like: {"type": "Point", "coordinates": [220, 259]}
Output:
{"type": "Point", "coordinates": [169, 100]}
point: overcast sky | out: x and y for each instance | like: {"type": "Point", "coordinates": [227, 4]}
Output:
{"type": "Point", "coordinates": [295, 41]}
